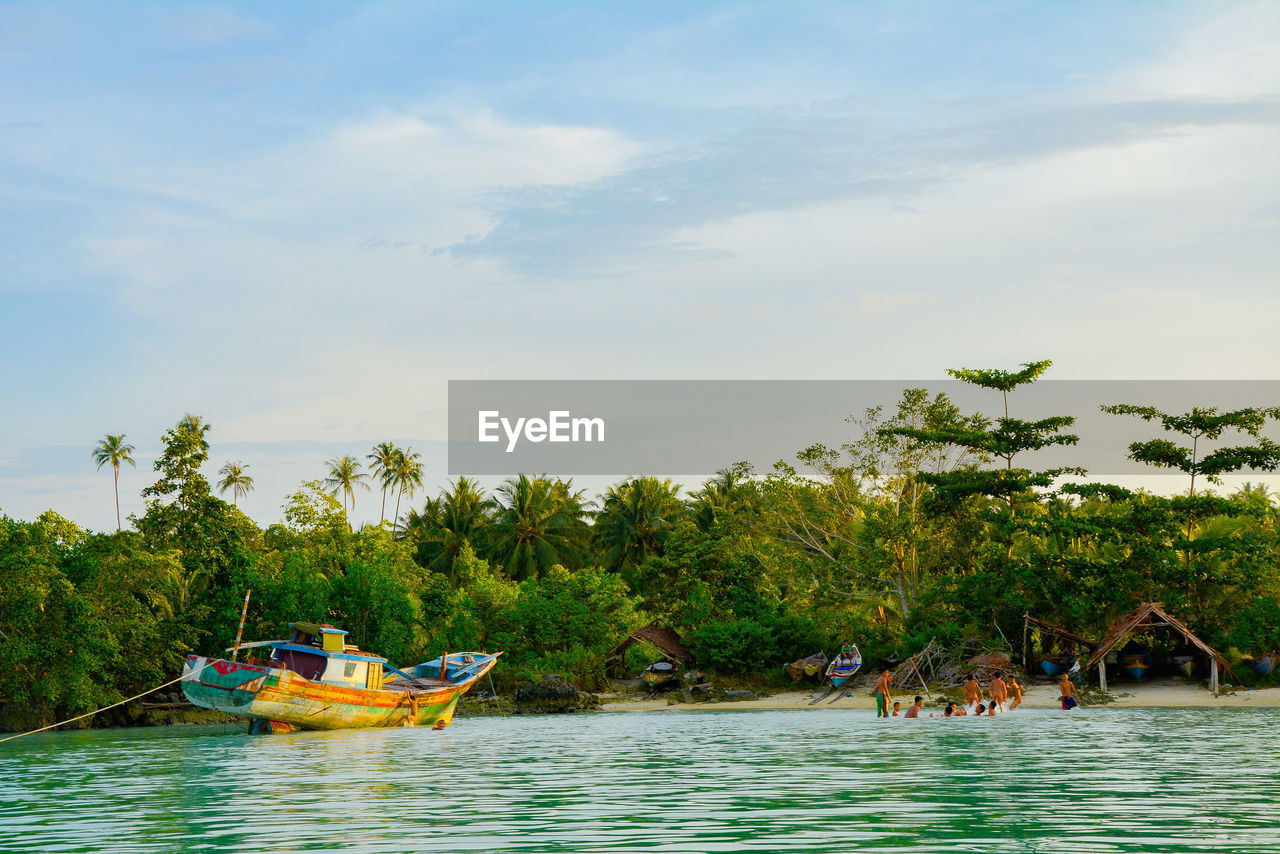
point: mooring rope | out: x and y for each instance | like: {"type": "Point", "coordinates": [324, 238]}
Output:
{"type": "Point", "coordinates": [103, 709]}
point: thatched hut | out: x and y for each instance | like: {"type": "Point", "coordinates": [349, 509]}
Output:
{"type": "Point", "coordinates": [1150, 615]}
{"type": "Point", "coordinates": [662, 638]}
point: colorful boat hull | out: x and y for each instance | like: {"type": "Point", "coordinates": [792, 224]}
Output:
{"type": "Point", "coordinates": [838, 680]}
{"type": "Point", "coordinates": [1264, 665]}
{"type": "Point", "coordinates": [263, 693]}
{"type": "Point", "coordinates": [1055, 665]}
{"type": "Point", "coordinates": [1135, 665]}
{"type": "Point", "coordinates": [843, 667]}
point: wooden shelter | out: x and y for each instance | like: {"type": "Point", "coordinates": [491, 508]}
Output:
{"type": "Point", "coordinates": [1030, 623]}
{"type": "Point", "coordinates": [1151, 615]}
{"type": "Point", "coordinates": [665, 640]}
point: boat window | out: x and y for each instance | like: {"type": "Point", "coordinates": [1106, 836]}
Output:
{"type": "Point", "coordinates": [308, 665]}
{"type": "Point", "coordinates": [346, 672]}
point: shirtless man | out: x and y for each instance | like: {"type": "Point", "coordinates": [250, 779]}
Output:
{"type": "Point", "coordinates": [914, 711]}
{"type": "Point", "coordinates": [1070, 698]}
{"type": "Point", "coordinates": [1016, 690]}
{"type": "Point", "coordinates": [972, 692]}
{"type": "Point", "coordinates": [999, 690]}
{"type": "Point", "coordinates": [883, 697]}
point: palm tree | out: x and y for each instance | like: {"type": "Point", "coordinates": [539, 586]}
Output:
{"type": "Point", "coordinates": [730, 491]}
{"type": "Point", "coordinates": [344, 477]}
{"type": "Point", "coordinates": [196, 426]}
{"type": "Point", "coordinates": [444, 524]}
{"type": "Point", "coordinates": [538, 524]}
{"type": "Point", "coordinates": [113, 449]}
{"type": "Point", "coordinates": [406, 475]}
{"type": "Point", "coordinates": [635, 519]}
{"type": "Point", "coordinates": [382, 464]}
{"type": "Point", "coordinates": [235, 479]}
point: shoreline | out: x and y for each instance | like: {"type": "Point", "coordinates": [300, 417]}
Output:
{"type": "Point", "coordinates": [1152, 695]}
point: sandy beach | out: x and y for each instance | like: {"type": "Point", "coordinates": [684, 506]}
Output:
{"type": "Point", "coordinates": [1162, 694]}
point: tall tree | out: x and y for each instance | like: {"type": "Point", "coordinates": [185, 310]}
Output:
{"type": "Point", "coordinates": [537, 525]}
{"type": "Point", "coordinates": [999, 584]}
{"type": "Point", "coordinates": [345, 476]}
{"type": "Point", "coordinates": [634, 520]}
{"type": "Point", "coordinates": [114, 450]}
{"type": "Point", "coordinates": [858, 513]}
{"type": "Point", "coordinates": [196, 427]}
{"type": "Point", "coordinates": [382, 465]}
{"type": "Point", "coordinates": [445, 525]}
{"type": "Point", "coordinates": [235, 479]}
{"type": "Point", "coordinates": [406, 476]}
{"type": "Point", "coordinates": [1199, 426]}
{"type": "Point", "coordinates": [731, 491]}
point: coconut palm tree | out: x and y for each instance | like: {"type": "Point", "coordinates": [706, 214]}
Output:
{"type": "Point", "coordinates": [235, 479]}
{"type": "Point", "coordinates": [538, 524]}
{"type": "Point", "coordinates": [406, 476]}
{"type": "Point", "coordinates": [635, 519]}
{"type": "Point", "coordinates": [113, 449]}
{"type": "Point", "coordinates": [344, 476]}
{"type": "Point", "coordinates": [382, 464]}
{"type": "Point", "coordinates": [197, 427]}
{"type": "Point", "coordinates": [444, 524]}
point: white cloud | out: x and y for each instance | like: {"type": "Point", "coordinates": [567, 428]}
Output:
{"type": "Point", "coordinates": [1225, 51]}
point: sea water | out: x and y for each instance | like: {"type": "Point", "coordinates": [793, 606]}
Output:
{"type": "Point", "coordinates": [1090, 780]}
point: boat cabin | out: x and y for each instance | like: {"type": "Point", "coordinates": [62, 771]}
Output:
{"type": "Point", "coordinates": [321, 653]}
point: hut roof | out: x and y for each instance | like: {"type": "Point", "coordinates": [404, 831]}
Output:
{"type": "Point", "coordinates": [1145, 616]}
{"type": "Point", "coordinates": [663, 638]}
{"type": "Point", "coordinates": [1060, 632]}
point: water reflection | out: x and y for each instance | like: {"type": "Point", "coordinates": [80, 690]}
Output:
{"type": "Point", "coordinates": [1097, 780]}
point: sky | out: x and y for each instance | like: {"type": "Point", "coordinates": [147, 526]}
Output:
{"type": "Point", "coordinates": [300, 221]}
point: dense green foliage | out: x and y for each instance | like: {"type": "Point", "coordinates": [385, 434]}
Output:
{"type": "Point", "coordinates": [923, 526]}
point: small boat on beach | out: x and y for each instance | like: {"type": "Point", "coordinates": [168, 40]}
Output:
{"type": "Point", "coordinates": [1135, 660]}
{"type": "Point", "coordinates": [1264, 664]}
{"type": "Point", "coordinates": [661, 673]}
{"type": "Point", "coordinates": [844, 666]}
{"type": "Point", "coordinates": [316, 680]}
{"type": "Point", "coordinates": [1184, 664]}
{"type": "Point", "coordinates": [808, 667]}
{"type": "Point", "coordinates": [1054, 665]}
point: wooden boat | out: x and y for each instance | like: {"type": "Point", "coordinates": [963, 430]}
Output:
{"type": "Point", "coordinates": [1135, 660]}
{"type": "Point", "coordinates": [1184, 664]}
{"type": "Point", "coordinates": [661, 673]}
{"type": "Point", "coordinates": [1053, 665]}
{"type": "Point", "coordinates": [810, 666]}
{"type": "Point", "coordinates": [844, 665]}
{"type": "Point", "coordinates": [1264, 664]}
{"type": "Point", "coordinates": [888, 663]}
{"type": "Point", "coordinates": [316, 680]}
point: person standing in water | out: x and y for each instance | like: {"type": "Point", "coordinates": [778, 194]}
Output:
{"type": "Point", "coordinates": [1070, 697]}
{"type": "Point", "coordinates": [883, 697]}
{"type": "Point", "coordinates": [999, 691]}
{"type": "Point", "coordinates": [972, 692]}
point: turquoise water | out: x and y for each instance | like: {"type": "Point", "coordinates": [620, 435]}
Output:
{"type": "Point", "coordinates": [1093, 780]}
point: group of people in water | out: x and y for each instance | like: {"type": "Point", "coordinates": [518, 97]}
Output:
{"type": "Point", "coordinates": [1003, 694]}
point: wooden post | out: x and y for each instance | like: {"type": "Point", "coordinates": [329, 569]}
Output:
{"type": "Point", "coordinates": [1213, 675]}
{"type": "Point", "coordinates": [240, 631]}
{"type": "Point", "coordinates": [444, 667]}
{"type": "Point", "coordinates": [1102, 674]}
{"type": "Point", "coordinates": [1026, 646]}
